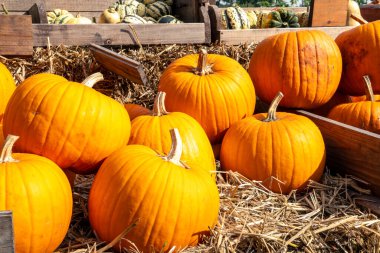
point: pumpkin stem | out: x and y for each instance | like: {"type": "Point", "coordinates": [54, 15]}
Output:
{"type": "Point", "coordinates": [369, 90]}
{"type": "Point", "coordinates": [175, 152]}
{"type": "Point", "coordinates": [202, 68]}
{"type": "Point", "coordinates": [358, 19]}
{"type": "Point", "coordinates": [6, 152]}
{"type": "Point", "coordinates": [159, 104]}
{"type": "Point", "coordinates": [6, 12]}
{"type": "Point", "coordinates": [273, 108]}
{"type": "Point", "coordinates": [91, 80]}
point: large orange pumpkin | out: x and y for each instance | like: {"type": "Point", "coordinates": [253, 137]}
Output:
{"type": "Point", "coordinates": [214, 89]}
{"type": "Point", "coordinates": [304, 65]}
{"type": "Point", "coordinates": [39, 195]}
{"type": "Point", "coordinates": [7, 87]}
{"type": "Point", "coordinates": [153, 131]}
{"type": "Point", "coordinates": [67, 122]}
{"type": "Point", "coordinates": [1, 134]}
{"type": "Point", "coordinates": [173, 204]}
{"type": "Point", "coordinates": [135, 110]}
{"type": "Point", "coordinates": [362, 114]}
{"type": "Point", "coordinates": [283, 150]}
{"type": "Point", "coordinates": [361, 56]}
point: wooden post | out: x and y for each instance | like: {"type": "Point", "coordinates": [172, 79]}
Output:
{"type": "Point", "coordinates": [38, 13]}
{"type": "Point", "coordinates": [6, 232]}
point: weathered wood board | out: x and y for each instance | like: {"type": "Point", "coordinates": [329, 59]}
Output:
{"type": "Point", "coordinates": [328, 13]}
{"type": "Point", "coordinates": [16, 35]}
{"type": "Point", "coordinates": [6, 232]}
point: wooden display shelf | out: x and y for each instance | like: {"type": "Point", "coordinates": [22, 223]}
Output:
{"type": "Point", "coordinates": [236, 37]}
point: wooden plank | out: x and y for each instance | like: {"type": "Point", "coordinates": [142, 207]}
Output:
{"type": "Point", "coordinates": [6, 232]}
{"type": "Point", "coordinates": [205, 19]}
{"type": "Point", "coordinates": [119, 64]}
{"type": "Point", "coordinates": [38, 13]}
{"type": "Point", "coordinates": [350, 150]}
{"type": "Point", "coordinates": [268, 9]}
{"type": "Point", "coordinates": [215, 20]}
{"type": "Point", "coordinates": [328, 13]}
{"type": "Point", "coordinates": [119, 34]}
{"type": "Point", "coordinates": [370, 202]}
{"type": "Point", "coordinates": [16, 35]}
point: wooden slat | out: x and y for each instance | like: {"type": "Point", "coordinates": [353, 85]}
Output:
{"type": "Point", "coordinates": [119, 34]}
{"type": "Point", "coordinates": [6, 232]}
{"type": "Point", "coordinates": [350, 150]}
{"type": "Point", "coordinates": [370, 202]}
{"type": "Point", "coordinates": [236, 37]}
{"type": "Point", "coordinates": [328, 13]}
{"type": "Point", "coordinates": [205, 19]}
{"type": "Point", "coordinates": [119, 64]}
{"type": "Point", "coordinates": [16, 37]}
{"type": "Point", "coordinates": [267, 9]}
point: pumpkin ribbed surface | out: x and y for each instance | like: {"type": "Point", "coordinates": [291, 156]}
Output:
{"type": "Point", "coordinates": [7, 87]}
{"type": "Point", "coordinates": [173, 206]}
{"type": "Point", "coordinates": [67, 122]}
{"type": "Point", "coordinates": [305, 65]}
{"type": "Point", "coordinates": [361, 56]}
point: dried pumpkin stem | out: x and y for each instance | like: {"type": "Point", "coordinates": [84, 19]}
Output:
{"type": "Point", "coordinates": [91, 80]}
{"type": "Point", "coordinates": [159, 104]}
{"type": "Point", "coordinates": [369, 90]}
{"type": "Point", "coordinates": [6, 152]}
{"type": "Point", "coordinates": [358, 19]}
{"type": "Point", "coordinates": [6, 12]}
{"type": "Point", "coordinates": [202, 68]}
{"type": "Point", "coordinates": [273, 108]}
{"type": "Point", "coordinates": [175, 152]}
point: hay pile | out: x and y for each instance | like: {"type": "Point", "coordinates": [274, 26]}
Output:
{"type": "Point", "coordinates": [323, 218]}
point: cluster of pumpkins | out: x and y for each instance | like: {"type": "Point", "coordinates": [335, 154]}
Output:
{"type": "Point", "coordinates": [155, 174]}
{"type": "Point", "coordinates": [122, 11]}
{"type": "Point", "coordinates": [235, 17]}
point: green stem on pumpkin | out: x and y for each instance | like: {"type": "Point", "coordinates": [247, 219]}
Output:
{"type": "Point", "coordinates": [6, 12]}
{"type": "Point", "coordinates": [159, 104]}
{"type": "Point", "coordinates": [273, 108]}
{"type": "Point", "coordinates": [369, 90]}
{"type": "Point", "coordinates": [6, 152]}
{"type": "Point", "coordinates": [175, 152]}
{"type": "Point", "coordinates": [202, 68]}
{"type": "Point", "coordinates": [91, 80]}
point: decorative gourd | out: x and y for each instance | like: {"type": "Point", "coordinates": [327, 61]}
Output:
{"type": "Point", "coordinates": [353, 8]}
{"type": "Point", "coordinates": [67, 122]}
{"type": "Point", "coordinates": [7, 87]}
{"type": "Point", "coordinates": [135, 110]}
{"type": "Point", "coordinates": [362, 114]}
{"type": "Point", "coordinates": [39, 195]}
{"type": "Point", "coordinates": [235, 17]}
{"type": "Point", "coordinates": [110, 16]}
{"type": "Point", "coordinates": [153, 131]}
{"type": "Point", "coordinates": [361, 56]}
{"type": "Point", "coordinates": [280, 18]}
{"type": "Point", "coordinates": [283, 150]}
{"type": "Point", "coordinates": [63, 18]}
{"type": "Point", "coordinates": [252, 17]}
{"type": "Point", "coordinates": [158, 9]}
{"type": "Point", "coordinates": [171, 204]}
{"type": "Point", "coordinates": [78, 19]}
{"type": "Point", "coordinates": [303, 18]}
{"type": "Point", "coordinates": [304, 65]}
{"type": "Point", "coordinates": [131, 7]}
{"type": "Point", "coordinates": [214, 89]}
{"type": "Point", "coordinates": [169, 19]}
{"type": "Point", "coordinates": [150, 20]}
{"type": "Point", "coordinates": [134, 19]}
{"type": "Point", "coordinates": [55, 15]}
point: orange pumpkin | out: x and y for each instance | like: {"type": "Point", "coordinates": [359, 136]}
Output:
{"type": "Point", "coordinates": [361, 114]}
{"type": "Point", "coordinates": [337, 99]}
{"type": "Point", "coordinates": [153, 131]}
{"type": "Point", "coordinates": [283, 150]}
{"type": "Point", "coordinates": [361, 56]}
{"type": "Point", "coordinates": [1, 134]}
{"type": "Point", "coordinates": [39, 196]}
{"type": "Point", "coordinates": [7, 87]}
{"type": "Point", "coordinates": [304, 65]}
{"type": "Point", "coordinates": [135, 110]}
{"type": "Point", "coordinates": [67, 122]}
{"type": "Point", "coordinates": [214, 89]}
{"type": "Point", "coordinates": [170, 203]}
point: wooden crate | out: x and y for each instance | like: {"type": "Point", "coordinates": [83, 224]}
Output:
{"type": "Point", "coordinates": [370, 12]}
{"type": "Point", "coordinates": [197, 31]}
{"type": "Point", "coordinates": [236, 37]}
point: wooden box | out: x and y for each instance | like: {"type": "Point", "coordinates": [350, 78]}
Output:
{"type": "Point", "coordinates": [370, 12]}
{"type": "Point", "coordinates": [236, 37]}
{"type": "Point", "coordinates": [196, 28]}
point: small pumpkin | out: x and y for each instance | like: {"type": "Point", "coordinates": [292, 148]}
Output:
{"type": "Point", "coordinates": [362, 114]}
{"type": "Point", "coordinates": [7, 87]}
{"type": "Point", "coordinates": [167, 203]}
{"type": "Point", "coordinates": [54, 16]}
{"type": "Point", "coordinates": [283, 150]}
{"type": "Point", "coordinates": [337, 99]}
{"type": "Point", "coordinates": [214, 89]}
{"type": "Point", "coordinates": [305, 65]}
{"type": "Point", "coordinates": [280, 18]}
{"type": "Point", "coordinates": [110, 16]}
{"type": "Point", "coordinates": [135, 110]}
{"type": "Point", "coordinates": [39, 195]}
{"type": "Point", "coordinates": [361, 56]}
{"type": "Point", "coordinates": [354, 9]}
{"type": "Point", "coordinates": [78, 19]}
{"type": "Point", "coordinates": [153, 131]}
{"type": "Point", "coordinates": [67, 122]}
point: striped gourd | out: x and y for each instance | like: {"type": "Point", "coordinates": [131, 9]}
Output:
{"type": "Point", "coordinates": [252, 19]}
{"type": "Point", "coordinates": [158, 9]}
{"type": "Point", "coordinates": [129, 7]}
{"type": "Point", "coordinates": [235, 17]}
{"type": "Point", "coordinates": [54, 16]}
{"type": "Point", "coordinates": [150, 20]}
{"type": "Point", "coordinates": [168, 2]}
{"type": "Point", "coordinates": [146, 2]}
{"type": "Point", "coordinates": [169, 20]}
{"type": "Point", "coordinates": [134, 19]}
{"type": "Point", "coordinates": [64, 18]}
